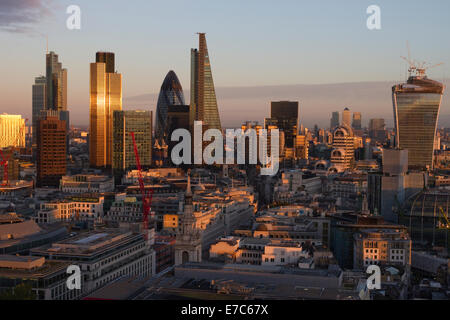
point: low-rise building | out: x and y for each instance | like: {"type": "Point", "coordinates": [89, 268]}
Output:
{"type": "Point", "coordinates": [86, 183]}
{"type": "Point", "coordinates": [103, 256]}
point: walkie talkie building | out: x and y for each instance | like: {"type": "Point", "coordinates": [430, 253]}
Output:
{"type": "Point", "coordinates": [416, 111]}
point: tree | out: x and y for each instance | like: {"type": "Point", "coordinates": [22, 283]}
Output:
{"type": "Point", "coordinates": [23, 291]}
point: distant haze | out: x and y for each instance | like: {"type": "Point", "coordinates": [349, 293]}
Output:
{"type": "Point", "coordinates": [316, 102]}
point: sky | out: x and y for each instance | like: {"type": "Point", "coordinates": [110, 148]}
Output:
{"type": "Point", "coordinates": [264, 45]}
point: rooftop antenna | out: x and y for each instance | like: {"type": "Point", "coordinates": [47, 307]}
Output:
{"type": "Point", "coordinates": [417, 67]}
{"type": "Point", "coordinates": [46, 37]}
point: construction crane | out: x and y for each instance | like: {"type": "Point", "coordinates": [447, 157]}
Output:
{"type": "Point", "coordinates": [419, 68]}
{"type": "Point", "coordinates": [147, 195]}
{"type": "Point", "coordinates": [444, 222]}
{"type": "Point", "coordinates": [4, 161]}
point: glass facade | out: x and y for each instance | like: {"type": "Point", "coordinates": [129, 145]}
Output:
{"type": "Point", "coordinates": [105, 98]}
{"type": "Point", "coordinates": [423, 216]}
{"type": "Point", "coordinates": [416, 110]}
{"type": "Point", "coordinates": [139, 122]}
{"type": "Point", "coordinates": [171, 94]}
{"type": "Point", "coordinates": [203, 95]}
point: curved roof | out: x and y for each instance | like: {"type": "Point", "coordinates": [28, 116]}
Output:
{"type": "Point", "coordinates": [171, 82]}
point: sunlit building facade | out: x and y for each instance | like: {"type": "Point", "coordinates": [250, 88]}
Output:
{"type": "Point", "coordinates": [343, 153]}
{"type": "Point", "coordinates": [203, 96]}
{"type": "Point", "coordinates": [105, 98]}
{"type": "Point", "coordinates": [171, 94]}
{"type": "Point", "coordinates": [416, 110]}
{"type": "Point", "coordinates": [12, 131]}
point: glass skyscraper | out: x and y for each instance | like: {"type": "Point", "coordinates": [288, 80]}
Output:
{"type": "Point", "coordinates": [203, 96]}
{"type": "Point", "coordinates": [171, 94]}
{"type": "Point", "coordinates": [56, 83]}
{"type": "Point", "coordinates": [416, 110]}
{"type": "Point", "coordinates": [124, 122]}
{"type": "Point", "coordinates": [105, 98]}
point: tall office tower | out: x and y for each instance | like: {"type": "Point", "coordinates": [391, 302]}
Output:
{"type": "Point", "coordinates": [51, 149]}
{"type": "Point", "coordinates": [416, 109]}
{"type": "Point", "coordinates": [39, 100]}
{"type": "Point", "coordinates": [125, 122]}
{"type": "Point", "coordinates": [343, 153]}
{"type": "Point", "coordinates": [108, 59]}
{"type": "Point", "coordinates": [56, 83]}
{"type": "Point", "coordinates": [284, 115]}
{"type": "Point", "coordinates": [177, 118]}
{"type": "Point", "coordinates": [346, 117]}
{"type": "Point", "coordinates": [357, 123]}
{"type": "Point", "coordinates": [12, 131]}
{"type": "Point", "coordinates": [334, 122]}
{"type": "Point", "coordinates": [105, 98]}
{"type": "Point", "coordinates": [203, 96]}
{"type": "Point", "coordinates": [171, 94]}
{"type": "Point", "coordinates": [377, 129]}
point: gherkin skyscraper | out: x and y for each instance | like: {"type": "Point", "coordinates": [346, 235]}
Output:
{"type": "Point", "coordinates": [203, 96]}
{"type": "Point", "coordinates": [171, 94]}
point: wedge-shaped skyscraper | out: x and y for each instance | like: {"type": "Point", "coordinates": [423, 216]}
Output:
{"type": "Point", "coordinates": [416, 111]}
{"type": "Point", "coordinates": [171, 94]}
{"type": "Point", "coordinates": [203, 96]}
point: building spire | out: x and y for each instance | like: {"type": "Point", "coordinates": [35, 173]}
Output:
{"type": "Point", "coordinates": [188, 188]}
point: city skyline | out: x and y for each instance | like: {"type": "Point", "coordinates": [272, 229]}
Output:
{"type": "Point", "coordinates": [370, 50]}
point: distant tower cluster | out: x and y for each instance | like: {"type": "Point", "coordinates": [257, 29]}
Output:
{"type": "Point", "coordinates": [50, 93]}
{"type": "Point", "coordinates": [334, 121]}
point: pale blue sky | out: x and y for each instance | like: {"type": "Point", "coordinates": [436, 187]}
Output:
{"type": "Point", "coordinates": [251, 43]}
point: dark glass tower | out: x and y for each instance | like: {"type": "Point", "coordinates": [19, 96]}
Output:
{"type": "Point", "coordinates": [284, 115]}
{"type": "Point", "coordinates": [171, 94]}
{"type": "Point", "coordinates": [108, 59]}
{"type": "Point", "coordinates": [203, 96]}
{"type": "Point", "coordinates": [416, 110]}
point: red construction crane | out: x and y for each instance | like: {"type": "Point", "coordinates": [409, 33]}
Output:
{"type": "Point", "coordinates": [4, 161]}
{"type": "Point", "coordinates": [147, 195]}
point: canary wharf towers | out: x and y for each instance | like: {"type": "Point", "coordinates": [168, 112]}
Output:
{"type": "Point", "coordinates": [203, 96]}
{"type": "Point", "coordinates": [105, 98]}
{"type": "Point", "coordinates": [416, 111]}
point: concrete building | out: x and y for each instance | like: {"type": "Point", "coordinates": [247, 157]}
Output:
{"type": "Point", "coordinates": [104, 256]}
{"type": "Point", "coordinates": [343, 153]}
{"type": "Point", "coordinates": [86, 183]}
{"type": "Point", "coordinates": [83, 207]}
{"type": "Point", "coordinates": [47, 278]}
{"type": "Point", "coordinates": [381, 247]}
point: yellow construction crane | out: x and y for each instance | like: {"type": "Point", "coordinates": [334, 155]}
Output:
{"type": "Point", "coordinates": [443, 222]}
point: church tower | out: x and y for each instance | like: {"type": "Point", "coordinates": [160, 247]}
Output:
{"type": "Point", "coordinates": [188, 246]}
